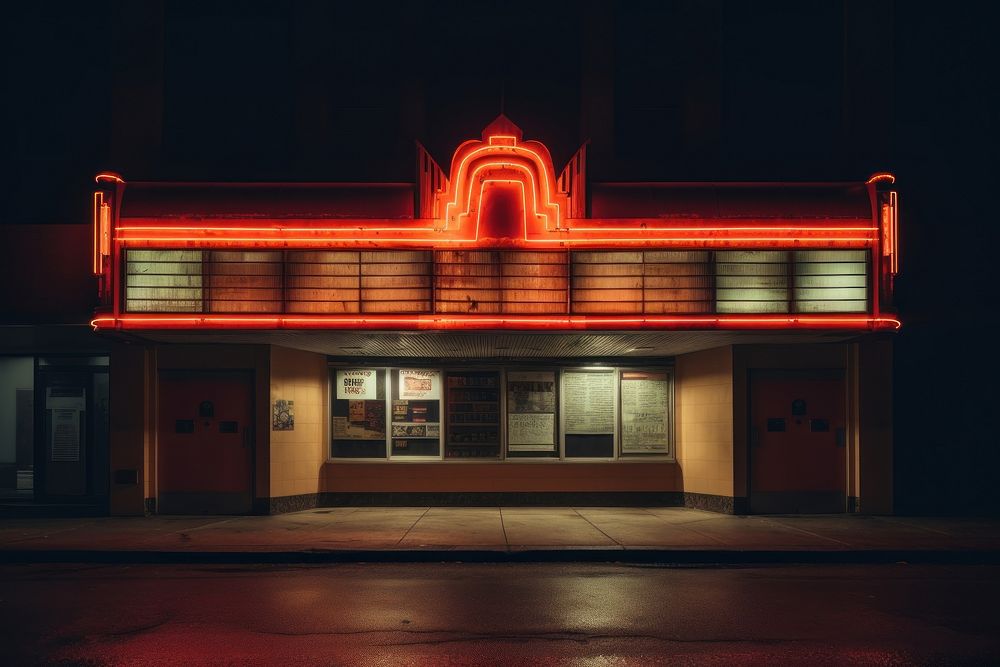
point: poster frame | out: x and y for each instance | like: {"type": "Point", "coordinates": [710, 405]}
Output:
{"type": "Point", "coordinates": [611, 370]}
{"type": "Point", "coordinates": [671, 410]}
{"type": "Point", "coordinates": [392, 381]}
{"type": "Point", "coordinates": [529, 455]}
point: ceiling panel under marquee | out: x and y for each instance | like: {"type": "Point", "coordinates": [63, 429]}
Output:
{"type": "Point", "coordinates": [488, 345]}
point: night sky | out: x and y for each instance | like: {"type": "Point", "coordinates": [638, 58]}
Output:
{"type": "Point", "coordinates": [665, 90]}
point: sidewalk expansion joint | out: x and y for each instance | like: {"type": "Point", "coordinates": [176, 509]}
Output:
{"type": "Point", "coordinates": [598, 529]}
{"type": "Point", "coordinates": [809, 532]}
{"type": "Point", "coordinates": [506, 541]}
{"type": "Point", "coordinates": [422, 515]}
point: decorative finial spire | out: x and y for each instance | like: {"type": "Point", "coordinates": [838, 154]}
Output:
{"type": "Point", "coordinates": [502, 126]}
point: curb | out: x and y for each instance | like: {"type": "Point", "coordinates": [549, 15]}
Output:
{"type": "Point", "coordinates": [637, 556]}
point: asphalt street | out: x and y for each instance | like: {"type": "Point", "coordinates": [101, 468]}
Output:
{"type": "Point", "coordinates": [489, 614]}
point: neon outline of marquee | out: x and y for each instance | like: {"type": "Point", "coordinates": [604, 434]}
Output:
{"type": "Point", "coordinates": [473, 161]}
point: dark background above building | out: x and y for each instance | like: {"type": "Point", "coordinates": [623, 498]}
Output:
{"type": "Point", "coordinates": [317, 91]}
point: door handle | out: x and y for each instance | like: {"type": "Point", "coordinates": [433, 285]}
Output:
{"type": "Point", "coordinates": [248, 436]}
{"type": "Point", "coordinates": [755, 437]}
{"type": "Point", "coordinates": [841, 437]}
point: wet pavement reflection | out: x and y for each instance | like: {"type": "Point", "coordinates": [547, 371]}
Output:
{"type": "Point", "coordinates": [487, 614]}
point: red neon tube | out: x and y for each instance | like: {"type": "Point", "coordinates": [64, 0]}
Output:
{"type": "Point", "coordinates": [488, 322]}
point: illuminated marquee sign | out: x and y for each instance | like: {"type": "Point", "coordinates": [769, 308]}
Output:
{"type": "Point", "coordinates": [541, 214]}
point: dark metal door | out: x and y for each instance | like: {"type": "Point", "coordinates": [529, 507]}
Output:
{"type": "Point", "coordinates": [205, 443]}
{"type": "Point", "coordinates": [798, 453]}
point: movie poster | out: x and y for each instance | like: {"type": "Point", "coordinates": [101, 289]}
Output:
{"type": "Point", "coordinates": [359, 383]}
{"type": "Point", "coordinates": [419, 385]}
{"type": "Point", "coordinates": [283, 415]}
{"type": "Point", "coordinates": [589, 402]}
{"type": "Point", "coordinates": [645, 419]}
{"type": "Point", "coordinates": [365, 420]}
{"type": "Point", "coordinates": [531, 411]}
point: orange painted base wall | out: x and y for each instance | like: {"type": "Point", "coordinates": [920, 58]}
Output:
{"type": "Point", "coordinates": [498, 477]}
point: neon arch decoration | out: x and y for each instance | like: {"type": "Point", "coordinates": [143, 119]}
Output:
{"type": "Point", "coordinates": [502, 155]}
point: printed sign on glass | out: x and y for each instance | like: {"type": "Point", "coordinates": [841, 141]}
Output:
{"type": "Point", "coordinates": [531, 408]}
{"type": "Point", "coordinates": [589, 402]}
{"type": "Point", "coordinates": [357, 384]}
{"type": "Point", "coordinates": [420, 385]}
{"type": "Point", "coordinates": [645, 417]}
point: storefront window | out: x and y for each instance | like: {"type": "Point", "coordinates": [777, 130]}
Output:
{"type": "Point", "coordinates": [589, 413]}
{"type": "Point", "coordinates": [358, 416]}
{"type": "Point", "coordinates": [17, 425]}
{"type": "Point", "coordinates": [420, 414]}
{"type": "Point", "coordinates": [531, 414]}
{"type": "Point", "coordinates": [645, 399]}
{"type": "Point", "coordinates": [416, 413]}
{"type": "Point", "coordinates": [473, 408]}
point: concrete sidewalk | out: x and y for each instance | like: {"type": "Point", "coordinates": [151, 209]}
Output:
{"type": "Point", "coordinates": [670, 534]}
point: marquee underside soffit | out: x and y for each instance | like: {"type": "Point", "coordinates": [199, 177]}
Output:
{"type": "Point", "coordinates": [495, 346]}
